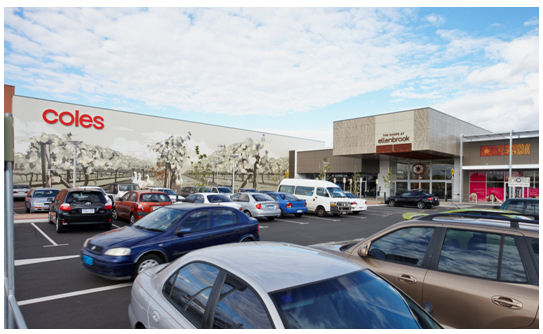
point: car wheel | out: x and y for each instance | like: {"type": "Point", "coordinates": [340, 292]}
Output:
{"type": "Point", "coordinates": [421, 205]}
{"type": "Point", "coordinates": [282, 213]}
{"type": "Point", "coordinates": [132, 219]}
{"type": "Point", "coordinates": [298, 215]}
{"type": "Point", "coordinates": [59, 226]}
{"type": "Point", "coordinates": [247, 240]}
{"type": "Point", "coordinates": [320, 211]}
{"type": "Point", "coordinates": [248, 213]}
{"type": "Point", "coordinates": [147, 261]}
{"type": "Point", "coordinates": [114, 214]}
{"type": "Point", "coordinates": [355, 212]}
{"type": "Point", "coordinates": [392, 203]}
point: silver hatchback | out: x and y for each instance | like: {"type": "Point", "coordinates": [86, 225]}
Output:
{"type": "Point", "coordinates": [257, 205]}
{"type": "Point", "coordinates": [38, 199]}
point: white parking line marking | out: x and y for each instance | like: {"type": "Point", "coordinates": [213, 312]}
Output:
{"type": "Point", "coordinates": [115, 225]}
{"type": "Point", "coordinates": [332, 220]}
{"type": "Point", "coordinates": [290, 221]}
{"type": "Point", "coordinates": [46, 236]}
{"type": "Point", "coordinates": [43, 259]}
{"type": "Point", "coordinates": [28, 221]}
{"type": "Point", "coordinates": [263, 226]}
{"type": "Point", "coordinates": [72, 294]}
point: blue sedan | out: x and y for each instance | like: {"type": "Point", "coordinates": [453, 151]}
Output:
{"type": "Point", "coordinates": [163, 236]}
{"type": "Point", "coordinates": [289, 203]}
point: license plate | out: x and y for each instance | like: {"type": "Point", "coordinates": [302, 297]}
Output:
{"type": "Point", "coordinates": [88, 260]}
{"type": "Point", "coordinates": [87, 211]}
{"type": "Point", "coordinates": [299, 211]}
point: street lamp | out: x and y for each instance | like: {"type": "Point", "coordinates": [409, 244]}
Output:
{"type": "Point", "coordinates": [233, 157]}
{"type": "Point", "coordinates": [75, 143]}
{"type": "Point", "coordinates": [220, 147]}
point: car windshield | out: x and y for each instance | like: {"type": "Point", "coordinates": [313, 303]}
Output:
{"type": "Point", "coordinates": [218, 199]}
{"type": "Point", "coordinates": [356, 300]}
{"type": "Point", "coordinates": [160, 220]}
{"type": "Point", "coordinates": [155, 197]}
{"type": "Point", "coordinates": [167, 191]}
{"type": "Point", "coordinates": [224, 190]}
{"type": "Point", "coordinates": [262, 197]}
{"type": "Point", "coordinates": [45, 193]}
{"type": "Point", "coordinates": [289, 197]}
{"type": "Point", "coordinates": [336, 192]}
{"type": "Point", "coordinates": [349, 195]}
{"type": "Point", "coordinates": [128, 187]}
{"type": "Point", "coordinates": [85, 196]}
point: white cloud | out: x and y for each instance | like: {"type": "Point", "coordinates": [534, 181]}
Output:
{"type": "Point", "coordinates": [435, 20]}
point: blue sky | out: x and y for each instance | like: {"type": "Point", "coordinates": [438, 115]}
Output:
{"type": "Point", "coordinates": [283, 70]}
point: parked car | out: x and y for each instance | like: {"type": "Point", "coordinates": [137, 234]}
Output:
{"type": "Point", "coordinates": [138, 203]}
{"type": "Point", "coordinates": [222, 287]}
{"type": "Point", "coordinates": [187, 190]}
{"type": "Point", "coordinates": [20, 191]}
{"type": "Point", "coordinates": [213, 189]}
{"type": "Point", "coordinates": [525, 206]}
{"type": "Point", "coordinates": [247, 190]}
{"type": "Point", "coordinates": [322, 197]}
{"type": "Point", "coordinates": [213, 198]}
{"type": "Point", "coordinates": [117, 190]}
{"type": "Point", "coordinates": [257, 205]}
{"type": "Point", "coordinates": [417, 198]}
{"type": "Point", "coordinates": [164, 235]}
{"type": "Point", "coordinates": [79, 206]}
{"type": "Point", "coordinates": [472, 273]}
{"type": "Point", "coordinates": [475, 213]}
{"type": "Point", "coordinates": [289, 204]}
{"type": "Point", "coordinates": [39, 199]}
{"type": "Point", "coordinates": [357, 204]}
{"type": "Point", "coordinates": [174, 197]}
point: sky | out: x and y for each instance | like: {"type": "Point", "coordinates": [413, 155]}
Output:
{"type": "Point", "coordinates": [291, 71]}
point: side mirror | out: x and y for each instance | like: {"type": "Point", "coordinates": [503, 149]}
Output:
{"type": "Point", "coordinates": [181, 232]}
{"type": "Point", "coordinates": [364, 250]}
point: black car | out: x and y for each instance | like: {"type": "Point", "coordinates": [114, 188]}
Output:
{"type": "Point", "coordinates": [187, 190]}
{"type": "Point", "coordinates": [526, 206]}
{"type": "Point", "coordinates": [77, 206]}
{"type": "Point", "coordinates": [417, 198]}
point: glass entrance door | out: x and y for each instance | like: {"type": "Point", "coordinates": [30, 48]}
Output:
{"type": "Point", "coordinates": [420, 185]}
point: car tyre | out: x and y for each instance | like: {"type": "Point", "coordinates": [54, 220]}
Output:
{"type": "Point", "coordinates": [132, 219]}
{"type": "Point", "coordinates": [114, 214]}
{"type": "Point", "coordinates": [421, 205]}
{"type": "Point", "coordinates": [147, 261]}
{"type": "Point", "coordinates": [355, 212]}
{"type": "Point", "coordinates": [248, 213]}
{"type": "Point", "coordinates": [320, 212]}
{"type": "Point", "coordinates": [282, 213]}
{"type": "Point", "coordinates": [392, 203]}
{"type": "Point", "coordinates": [298, 215]}
{"type": "Point", "coordinates": [58, 226]}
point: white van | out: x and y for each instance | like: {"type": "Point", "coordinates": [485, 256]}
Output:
{"type": "Point", "coordinates": [322, 197]}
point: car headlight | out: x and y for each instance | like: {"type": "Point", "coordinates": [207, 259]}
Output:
{"type": "Point", "coordinates": [86, 242]}
{"type": "Point", "coordinates": [118, 251]}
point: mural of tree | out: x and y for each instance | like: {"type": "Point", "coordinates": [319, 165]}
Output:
{"type": "Point", "coordinates": [172, 154]}
{"type": "Point", "coordinates": [252, 155]}
{"type": "Point", "coordinates": [201, 169]}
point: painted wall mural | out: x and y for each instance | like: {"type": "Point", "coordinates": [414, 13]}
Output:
{"type": "Point", "coordinates": [118, 146]}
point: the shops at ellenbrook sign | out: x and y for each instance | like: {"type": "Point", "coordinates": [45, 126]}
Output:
{"type": "Point", "coordinates": [394, 133]}
{"type": "Point", "coordinates": [75, 118]}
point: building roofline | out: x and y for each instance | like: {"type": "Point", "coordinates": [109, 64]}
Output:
{"type": "Point", "coordinates": [501, 136]}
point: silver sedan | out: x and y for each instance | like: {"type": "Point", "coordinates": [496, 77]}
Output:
{"type": "Point", "coordinates": [268, 285]}
{"type": "Point", "coordinates": [38, 199]}
{"type": "Point", "coordinates": [257, 205]}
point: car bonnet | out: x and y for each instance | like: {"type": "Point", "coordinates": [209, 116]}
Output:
{"type": "Point", "coordinates": [126, 236]}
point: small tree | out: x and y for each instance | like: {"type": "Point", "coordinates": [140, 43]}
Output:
{"type": "Point", "coordinates": [324, 168]}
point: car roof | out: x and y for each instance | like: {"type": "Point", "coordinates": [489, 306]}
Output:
{"type": "Point", "coordinates": [86, 189]}
{"type": "Point", "coordinates": [272, 265]}
{"type": "Point", "coordinates": [188, 205]}
{"type": "Point", "coordinates": [487, 224]}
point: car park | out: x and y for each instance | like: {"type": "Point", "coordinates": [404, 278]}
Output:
{"type": "Point", "coordinates": [357, 204]}
{"type": "Point", "coordinates": [20, 191]}
{"type": "Point", "coordinates": [213, 198]}
{"type": "Point", "coordinates": [78, 206]}
{"type": "Point", "coordinates": [174, 197]}
{"type": "Point", "coordinates": [289, 204]}
{"type": "Point", "coordinates": [136, 204]}
{"type": "Point", "coordinates": [39, 199]}
{"type": "Point", "coordinates": [525, 206]}
{"type": "Point", "coordinates": [469, 272]}
{"type": "Point", "coordinates": [222, 287]}
{"type": "Point", "coordinates": [163, 236]}
{"type": "Point", "coordinates": [117, 190]}
{"type": "Point", "coordinates": [257, 205]}
{"type": "Point", "coordinates": [322, 197]}
{"type": "Point", "coordinates": [417, 198]}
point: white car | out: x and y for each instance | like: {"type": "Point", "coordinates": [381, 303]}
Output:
{"type": "Point", "coordinates": [20, 190]}
{"type": "Point", "coordinates": [212, 198]}
{"type": "Point", "coordinates": [357, 204]}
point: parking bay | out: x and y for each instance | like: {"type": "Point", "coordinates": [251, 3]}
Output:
{"type": "Point", "coordinates": [55, 291]}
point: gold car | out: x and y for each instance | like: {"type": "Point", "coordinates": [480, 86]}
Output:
{"type": "Point", "coordinates": [468, 273]}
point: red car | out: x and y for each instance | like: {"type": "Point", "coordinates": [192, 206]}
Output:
{"type": "Point", "coordinates": [137, 203]}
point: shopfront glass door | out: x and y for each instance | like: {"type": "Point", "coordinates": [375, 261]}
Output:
{"type": "Point", "coordinates": [422, 186]}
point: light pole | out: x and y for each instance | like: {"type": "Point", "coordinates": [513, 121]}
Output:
{"type": "Point", "coordinates": [75, 143]}
{"type": "Point", "coordinates": [220, 147]}
{"type": "Point", "coordinates": [233, 157]}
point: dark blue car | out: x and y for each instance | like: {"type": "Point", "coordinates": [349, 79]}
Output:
{"type": "Point", "coordinates": [163, 236]}
{"type": "Point", "coordinates": [288, 203]}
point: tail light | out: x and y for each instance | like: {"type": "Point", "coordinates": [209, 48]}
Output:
{"type": "Point", "coordinates": [257, 228]}
{"type": "Point", "coordinates": [140, 207]}
{"type": "Point", "coordinates": [259, 206]}
{"type": "Point", "coordinates": [107, 206]}
{"type": "Point", "coordinates": [305, 203]}
{"type": "Point", "coordinates": [289, 205]}
{"type": "Point", "coordinates": [240, 209]}
{"type": "Point", "coordinates": [353, 203]}
{"type": "Point", "coordinates": [65, 207]}
{"type": "Point", "coordinates": [430, 198]}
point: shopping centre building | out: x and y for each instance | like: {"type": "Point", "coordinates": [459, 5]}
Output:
{"type": "Point", "coordinates": [380, 155]}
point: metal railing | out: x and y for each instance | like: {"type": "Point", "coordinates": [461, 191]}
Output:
{"type": "Point", "coordinates": [13, 318]}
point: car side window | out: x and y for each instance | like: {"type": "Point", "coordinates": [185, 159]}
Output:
{"type": "Point", "coordinates": [534, 244]}
{"type": "Point", "coordinates": [322, 192]}
{"type": "Point", "coordinates": [199, 199]}
{"type": "Point", "coordinates": [190, 198]}
{"type": "Point", "coordinates": [197, 221]}
{"type": "Point", "coordinates": [235, 197]}
{"type": "Point", "coordinates": [189, 288]}
{"type": "Point", "coordinates": [286, 189]}
{"type": "Point", "coordinates": [133, 197]}
{"type": "Point", "coordinates": [125, 197]}
{"type": "Point", "coordinates": [244, 198]}
{"type": "Point", "coordinates": [224, 217]}
{"type": "Point", "coordinates": [406, 246]}
{"type": "Point", "coordinates": [240, 307]}
{"type": "Point", "coordinates": [515, 206]}
{"type": "Point", "coordinates": [304, 191]}
{"type": "Point", "coordinates": [477, 254]}
{"type": "Point", "coordinates": [532, 208]}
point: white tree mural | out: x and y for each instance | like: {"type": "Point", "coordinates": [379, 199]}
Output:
{"type": "Point", "coordinates": [171, 156]}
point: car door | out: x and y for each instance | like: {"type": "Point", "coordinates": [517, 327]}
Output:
{"type": "Point", "coordinates": [480, 282]}
{"type": "Point", "coordinates": [225, 227]}
{"type": "Point", "coordinates": [192, 232]}
{"type": "Point", "coordinates": [403, 199]}
{"type": "Point", "coordinates": [399, 257]}
{"type": "Point", "coordinates": [121, 206]}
